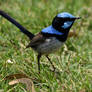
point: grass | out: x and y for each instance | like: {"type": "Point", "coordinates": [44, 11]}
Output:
{"type": "Point", "coordinates": [74, 60]}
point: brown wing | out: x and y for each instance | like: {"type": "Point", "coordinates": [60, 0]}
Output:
{"type": "Point", "coordinates": [38, 39]}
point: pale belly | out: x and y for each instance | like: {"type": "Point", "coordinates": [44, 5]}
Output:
{"type": "Point", "coordinates": [49, 46]}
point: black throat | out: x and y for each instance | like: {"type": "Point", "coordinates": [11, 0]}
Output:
{"type": "Point", "coordinates": [57, 23]}
{"type": "Point", "coordinates": [61, 38]}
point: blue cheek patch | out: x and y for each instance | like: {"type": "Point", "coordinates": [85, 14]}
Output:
{"type": "Point", "coordinates": [51, 30]}
{"type": "Point", "coordinates": [67, 24]}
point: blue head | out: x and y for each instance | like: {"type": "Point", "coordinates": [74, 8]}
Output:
{"type": "Point", "coordinates": [61, 24]}
{"type": "Point", "coordinates": [66, 24]}
{"type": "Point", "coordinates": [63, 21]}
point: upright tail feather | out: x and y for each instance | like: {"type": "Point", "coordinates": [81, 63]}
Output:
{"type": "Point", "coordinates": [24, 30]}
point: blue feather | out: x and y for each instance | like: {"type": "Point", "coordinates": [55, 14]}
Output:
{"type": "Point", "coordinates": [51, 30]}
{"type": "Point", "coordinates": [65, 15]}
{"type": "Point", "coordinates": [67, 24]}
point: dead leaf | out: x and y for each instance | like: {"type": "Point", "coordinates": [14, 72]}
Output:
{"type": "Point", "coordinates": [9, 61]}
{"type": "Point", "coordinates": [72, 34]}
{"type": "Point", "coordinates": [1, 90]}
{"type": "Point", "coordinates": [15, 76]}
{"type": "Point", "coordinates": [28, 82]}
{"type": "Point", "coordinates": [82, 90]}
{"type": "Point", "coordinates": [21, 78]}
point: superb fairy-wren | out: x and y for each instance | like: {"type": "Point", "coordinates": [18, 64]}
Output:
{"type": "Point", "coordinates": [50, 39]}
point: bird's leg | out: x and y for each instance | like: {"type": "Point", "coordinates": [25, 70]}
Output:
{"type": "Point", "coordinates": [51, 63]}
{"type": "Point", "coordinates": [38, 57]}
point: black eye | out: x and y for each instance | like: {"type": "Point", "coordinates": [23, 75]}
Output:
{"type": "Point", "coordinates": [57, 23]}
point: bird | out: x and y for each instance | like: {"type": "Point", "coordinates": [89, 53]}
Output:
{"type": "Point", "coordinates": [49, 39]}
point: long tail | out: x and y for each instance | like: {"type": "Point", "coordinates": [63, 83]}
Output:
{"type": "Point", "coordinates": [24, 30]}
